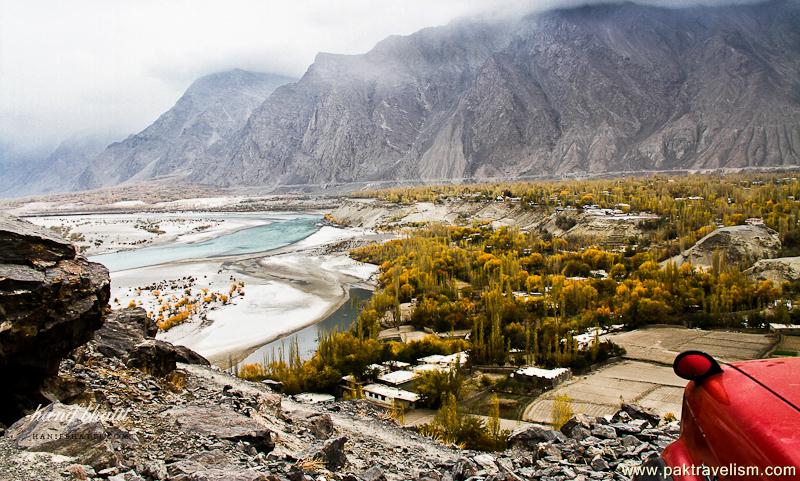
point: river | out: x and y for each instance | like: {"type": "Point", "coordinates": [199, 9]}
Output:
{"type": "Point", "coordinates": [308, 338]}
{"type": "Point", "coordinates": [273, 305]}
{"type": "Point", "coordinates": [277, 232]}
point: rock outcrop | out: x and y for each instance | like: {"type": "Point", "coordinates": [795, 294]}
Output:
{"type": "Point", "coordinates": [129, 335]}
{"type": "Point", "coordinates": [222, 423]}
{"type": "Point", "coordinates": [740, 245]}
{"type": "Point", "coordinates": [51, 301]}
{"type": "Point", "coordinates": [779, 270]}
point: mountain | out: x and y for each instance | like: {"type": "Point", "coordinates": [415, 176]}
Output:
{"type": "Point", "coordinates": [51, 172]}
{"type": "Point", "coordinates": [593, 89]}
{"type": "Point", "coordinates": [177, 143]}
{"type": "Point", "coordinates": [603, 88]}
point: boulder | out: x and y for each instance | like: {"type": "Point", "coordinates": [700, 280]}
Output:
{"type": "Point", "coordinates": [51, 301]}
{"type": "Point", "coordinates": [320, 424]}
{"type": "Point", "coordinates": [580, 426]}
{"type": "Point", "coordinates": [128, 334]}
{"type": "Point", "coordinates": [122, 330]}
{"type": "Point", "coordinates": [331, 453]}
{"type": "Point", "coordinates": [66, 430]}
{"type": "Point", "coordinates": [636, 412]}
{"type": "Point", "coordinates": [152, 356]}
{"type": "Point", "coordinates": [24, 243]}
{"type": "Point", "coordinates": [127, 476]}
{"type": "Point", "coordinates": [464, 469]}
{"type": "Point", "coordinates": [225, 474]}
{"type": "Point", "coordinates": [529, 437]}
{"type": "Point", "coordinates": [373, 474]}
{"type": "Point", "coordinates": [222, 423]}
{"type": "Point", "coordinates": [599, 464]}
{"type": "Point", "coordinates": [187, 356]}
{"type": "Point", "coordinates": [604, 431]}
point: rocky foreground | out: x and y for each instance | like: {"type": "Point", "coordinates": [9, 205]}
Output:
{"type": "Point", "coordinates": [117, 404]}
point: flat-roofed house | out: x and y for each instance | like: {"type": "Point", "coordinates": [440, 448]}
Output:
{"type": "Point", "coordinates": [542, 378]}
{"type": "Point", "coordinates": [390, 397]}
{"type": "Point", "coordinates": [451, 360]}
{"type": "Point", "coordinates": [397, 377]}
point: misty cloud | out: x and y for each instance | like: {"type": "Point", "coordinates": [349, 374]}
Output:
{"type": "Point", "coordinates": [111, 67]}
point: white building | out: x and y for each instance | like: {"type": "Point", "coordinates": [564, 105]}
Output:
{"type": "Point", "coordinates": [543, 378]}
{"type": "Point", "coordinates": [458, 358]}
{"type": "Point", "coordinates": [390, 397]}
{"type": "Point", "coordinates": [397, 377]}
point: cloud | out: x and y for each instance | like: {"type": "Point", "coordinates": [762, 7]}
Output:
{"type": "Point", "coordinates": [107, 66]}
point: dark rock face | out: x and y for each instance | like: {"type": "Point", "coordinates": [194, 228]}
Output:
{"type": "Point", "coordinates": [330, 453]}
{"type": "Point", "coordinates": [24, 243]}
{"type": "Point", "coordinates": [320, 425]}
{"type": "Point", "coordinates": [154, 357]}
{"type": "Point", "coordinates": [51, 301]}
{"type": "Point", "coordinates": [187, 356]}
{"type": "Point", "coordinates": [128, 334]}
{"type": "Point", "coordinates": [123, 329]}
{"type": "Point", "coordinates": [635, 412]}
{"type": "Point", "coordinates": [463, 469]}
{"type": "Point", "coordinates": [333, 453]}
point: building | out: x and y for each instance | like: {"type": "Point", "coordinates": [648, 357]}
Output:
{"type": "Point", "coordinates": [397, 378]}
{"type": "Point", "coordinates": [455, 334]}
{"type": "Point", "coordinates": [404, 333]}
{"type": "Point", "coordinates": [785, 329]}
{"type": "Point", "coordinates": [542, 378]}
{"type": "Point", "coordinates": [422, 368]}
{"type": "Point", "coordinates": [390, 397]}
{"type": "Point", "coordinates": [458, 358]}
{"type": "Point", "coordinates": [599, 273]}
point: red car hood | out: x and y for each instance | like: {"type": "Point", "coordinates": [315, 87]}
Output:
{"type": "Point", "coordinates": [781, 376]}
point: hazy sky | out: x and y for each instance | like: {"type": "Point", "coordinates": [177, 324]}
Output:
{"type": "Point", "coordinates": [113, 66]}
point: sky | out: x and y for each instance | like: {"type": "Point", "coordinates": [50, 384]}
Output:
{"type": "Point", "coordinates": [110, 67]}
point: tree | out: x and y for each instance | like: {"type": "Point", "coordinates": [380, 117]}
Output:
{"type": "Point", "coordinates": [435, 386]}
{"type": "Point", "coordinates": [562, 410]}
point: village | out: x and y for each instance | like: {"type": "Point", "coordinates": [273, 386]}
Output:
{"type": "Point", "coordinates": [393, 385]}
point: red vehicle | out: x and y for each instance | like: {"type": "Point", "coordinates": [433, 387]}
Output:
{"type": "Point", "coordinates": [740, 421]}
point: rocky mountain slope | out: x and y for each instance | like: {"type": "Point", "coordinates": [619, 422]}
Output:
{"type": "Point", "coordinates": [57, 171]}
{"type": "Point", "coordinates": [619, 87]}
{"type": "Point", "coordinates": [179, 142]}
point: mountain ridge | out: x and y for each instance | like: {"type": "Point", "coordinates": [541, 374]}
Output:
{"type": "Point", "coordinates": [588, 90]}
{"type": "Point", "coordinates": [617, 87]}
{"type": "Point", "coordinates": [212, 108]}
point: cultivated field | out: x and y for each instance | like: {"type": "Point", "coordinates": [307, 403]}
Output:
{"type": "Point", "coordinates": [645, 375]}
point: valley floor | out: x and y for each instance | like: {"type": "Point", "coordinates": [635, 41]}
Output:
{"type": "Point", "coordinates": [644, 376]}
{"type": "Point", "coordinates": [277, 291]}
